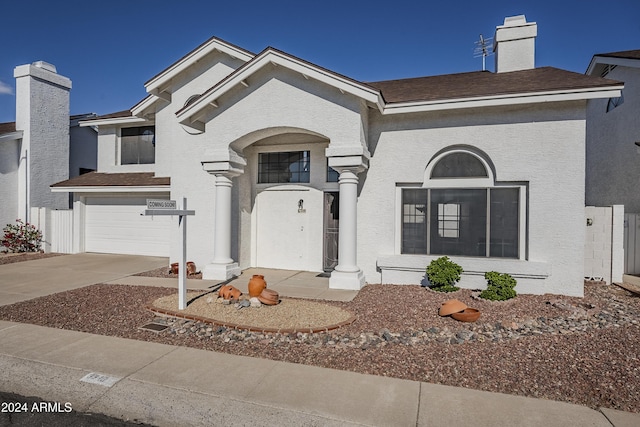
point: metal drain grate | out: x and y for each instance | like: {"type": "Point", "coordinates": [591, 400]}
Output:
{"type": "Point", "coordinates": [154, 327]}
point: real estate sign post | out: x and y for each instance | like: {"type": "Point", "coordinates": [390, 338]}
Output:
{"type": "Point", "coordinates": [169, 207]}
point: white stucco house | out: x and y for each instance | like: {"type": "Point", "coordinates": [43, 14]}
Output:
{"type": "Point", "coordinates": [613, 146]}
{"type": "Point", "coordinates": [289, 165]}
{"type": "Point", "coordinates": [43, 146]}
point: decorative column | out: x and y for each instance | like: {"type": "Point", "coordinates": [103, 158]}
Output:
{"type": "Point", "coordinates": [225, 166]}
{"type": "Point", "coordinates": [347, 274]}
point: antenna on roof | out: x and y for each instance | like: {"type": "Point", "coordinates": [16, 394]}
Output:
{"type": "Point", "coordinates": [482, 50]}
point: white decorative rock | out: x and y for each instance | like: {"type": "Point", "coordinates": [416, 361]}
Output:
{"type": "Point", "coordinates": [255, 302]}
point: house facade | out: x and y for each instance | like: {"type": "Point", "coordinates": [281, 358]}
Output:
{"type": "Point", "coordinates": [613, 146]}
{"type": "Point", "coordinates": [43, 146]}
{"type": "Point", "coordinates": [289, 165]}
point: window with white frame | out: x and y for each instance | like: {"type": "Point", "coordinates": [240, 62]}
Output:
{"type": "Point", "coordinates": [138, 145]}
{"type": "Point", "coordinates": [283, 167]}
{"type": "Point", "coordinates": [461, 211]}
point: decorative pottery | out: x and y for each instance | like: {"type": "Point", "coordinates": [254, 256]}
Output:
{"type": "Point", "coordinates": [451, 306]}
{"type": "Point", "coordinates": [467, 315]}
{"type": "Point", "coordinates": [269, 297]}
{"type": "Point", "coordinates": [229, 292]}
{"type": "Point", "coordinates": [191, 267]}
{"type": "Point", "coordinates": [175, 267]}
{"type": "Point", "coordinates": [256, 285]}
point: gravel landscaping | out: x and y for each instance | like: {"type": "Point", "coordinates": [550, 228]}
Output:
{"type": "Point", "coordinates": [577, 350]}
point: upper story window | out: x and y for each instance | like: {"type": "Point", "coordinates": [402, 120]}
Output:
{"type": "Point", "coordinates": [615, 102]}
{"type": "Point", "coordinates": [138, 145]}
{"type": "Point", "coordinates": [283, 167]}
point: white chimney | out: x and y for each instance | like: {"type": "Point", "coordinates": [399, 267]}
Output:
{"type": "Point", "coordinates": [514, 44]}
{"type": "Point", "coordinates": [42, 113]}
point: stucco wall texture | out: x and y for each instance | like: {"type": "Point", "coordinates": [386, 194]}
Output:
{"type": "Point", "coordinates": [42, 112]}
{"type": "Point", "coordinates": [612, 157]}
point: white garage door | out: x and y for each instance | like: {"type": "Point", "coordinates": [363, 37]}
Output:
{"type": "Point", "coordinates": [114, 225]}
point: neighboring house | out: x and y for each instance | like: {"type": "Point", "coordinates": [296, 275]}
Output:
{"type": "Point", "coordinates": [43, 146]}
{"type": "Point", "coordinates": [613, 146]}
{"type": "Point", "coordinates": [289, 165]}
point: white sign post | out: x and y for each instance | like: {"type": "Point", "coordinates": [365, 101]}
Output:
{"type": "Point", "coordinates": [168, 207]}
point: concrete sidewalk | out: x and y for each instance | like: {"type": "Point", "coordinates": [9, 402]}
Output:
{"type": "Point", "coordinates": [168, 385]}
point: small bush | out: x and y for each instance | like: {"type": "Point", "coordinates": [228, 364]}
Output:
{"type": "Point", "coordinates": [500, 287]}
{"type": "Point", "coordinates": [443, 274]}
{"type": "Point", "coordinates": [21, 237]}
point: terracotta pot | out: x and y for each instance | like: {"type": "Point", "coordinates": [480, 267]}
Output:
{"type": "Point", "coordinates": [467, 315]}
{"type": "Point", "coordinates": [175, 267]}
{"type": "Point", "coordinates": [229, 292]}
{"type": "Point", "coordinates": [256, 285]}
{"type": "Point", "coordinates": [269, 297]}
{"type": "Point", "coordinates": [451, 306]}
{"type": "Point", "coordinates": [191, 267]}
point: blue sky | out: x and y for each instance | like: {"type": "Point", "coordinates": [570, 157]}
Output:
{"type": "Point", "coordinates": [110, 48]}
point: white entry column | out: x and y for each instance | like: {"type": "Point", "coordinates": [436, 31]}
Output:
{"type": "Point", "coordinates": [222, 266]}
{"type": "Point", "coordinates": [347, 274]}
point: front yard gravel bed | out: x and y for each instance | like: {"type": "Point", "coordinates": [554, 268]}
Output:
{"type": "Point", "coordinates": [577, 350]}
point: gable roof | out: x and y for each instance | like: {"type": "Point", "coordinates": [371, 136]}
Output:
{"type": "Point", "coordinates": [462, 90]}
{"type": "Point", "coordinates": [189, 114]}
{"type": "Point", "coordinates": [155, 84]}
{"type": "Point", "coordinates": [602, 63]}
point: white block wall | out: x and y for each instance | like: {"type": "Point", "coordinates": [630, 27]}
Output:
{"type": "Point", "coordinates": [604, 251]}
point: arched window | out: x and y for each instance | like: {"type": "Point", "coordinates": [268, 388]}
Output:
{"type": "Point", "coordinates": [459, 165]}
{"type": "Point", "coordinates": [461, 210]}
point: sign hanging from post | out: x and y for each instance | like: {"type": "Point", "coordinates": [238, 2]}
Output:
{"type": "Point", "coordinates": [170, 207]}
{"type": "Point", "coordinates": [162, 204]}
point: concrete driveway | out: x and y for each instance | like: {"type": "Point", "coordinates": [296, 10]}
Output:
{"type": "Point", "coordinates": [23, 281]}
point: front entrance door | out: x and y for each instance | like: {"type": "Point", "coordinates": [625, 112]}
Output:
{"type": "Point", "coordinates": [289, 228]}
{"type": "Point", "coordinates": [331, 220]}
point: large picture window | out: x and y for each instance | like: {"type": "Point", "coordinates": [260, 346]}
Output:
{"type": "Point", "coordinates": [138, 145]}
{"type": "Point", "coordinates": [282, 167]}
{"type": "Point", "coordinates": [462, 213]}
{"type": "Point", "coordinates": [469, 222]}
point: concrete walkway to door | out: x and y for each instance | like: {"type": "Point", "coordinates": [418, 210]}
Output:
{"type": "Point", "coordinates": [288, 283]}
{"type": "Point", "coordinates": [26, 280]}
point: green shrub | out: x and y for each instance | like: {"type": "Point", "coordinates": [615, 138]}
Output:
{"type": "Point", "coordinates": [443, 274]}
{"type": "Point", "coordinates": [500, 287]}
{"type": "Point", "coordinates": [21, 237]}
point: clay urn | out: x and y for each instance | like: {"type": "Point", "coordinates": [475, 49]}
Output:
{"type": "Point", "coordinates": [467, 315]}
{"type": "Point", "coordinates": [269, 297]}
{"type": "Point", "coordinates": [175, 267]}
{"type": "Point", "coordinates": [256, 285]}
{"type": "Point", "coordinates": [191, 267]}
{"type": "Point", "coordinates": [451, 306]}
